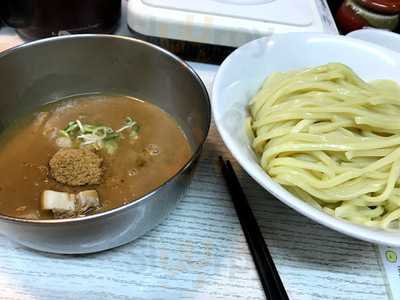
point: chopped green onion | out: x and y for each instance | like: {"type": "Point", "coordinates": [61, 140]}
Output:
{"type": "Point", "coordinates": [63, 133]}
{"type": "Point", "coordinates": [70, 127]}
{"type": "Point", "coordinates": [110, 146]}
{"type": "Point", "coordinates": [80, 126]}
{"type": "Point", "coordinates": [136, 128]}
{"type": "Point", "coordinates": [89, 128]}
{"type": "Point", "coordinates": [99, 136]}
{"type": "Point", "coordinates": [112, 136]}
{"type": "Point", "coordinates": [129, 124]}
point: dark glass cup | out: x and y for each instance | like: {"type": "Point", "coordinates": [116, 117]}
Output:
{"type": "Point", "coordinates": [34, 19]}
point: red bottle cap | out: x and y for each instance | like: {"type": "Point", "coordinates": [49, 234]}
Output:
{"type": "Point", "coordinates": [390, 7]}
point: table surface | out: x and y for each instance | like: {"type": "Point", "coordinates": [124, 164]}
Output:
{"type": "Point", "coordinates": [200, 252]}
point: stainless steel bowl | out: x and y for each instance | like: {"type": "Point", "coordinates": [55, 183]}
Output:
{"type": "Point", "coordinates": [46, 70]}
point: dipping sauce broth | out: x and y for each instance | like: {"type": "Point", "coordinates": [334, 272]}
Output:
{"type": "Point", "coordinates": [136, 159]}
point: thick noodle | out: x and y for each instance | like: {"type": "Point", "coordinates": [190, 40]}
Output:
{"type": "Point", "coordinates": [333, 140]}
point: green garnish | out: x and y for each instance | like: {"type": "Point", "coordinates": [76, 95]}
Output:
{"type": "Point", "coordinates": [63, 133]}
{"type": "Point", "coordinates": [110, 146]}
{"type": "Point", "coordinates": [99, 136]}
{"type": "Point", "coordinates": [129, 124]}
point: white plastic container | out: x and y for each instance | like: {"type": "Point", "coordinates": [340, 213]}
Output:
{"type": "Point", "coordinates": [229, 23]}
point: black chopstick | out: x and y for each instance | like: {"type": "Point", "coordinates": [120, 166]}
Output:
{"type": "Point", "coordinates": [266, 269]}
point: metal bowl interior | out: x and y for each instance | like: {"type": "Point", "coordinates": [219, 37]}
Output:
{"type": "Point", "coordinates": [51, 69]}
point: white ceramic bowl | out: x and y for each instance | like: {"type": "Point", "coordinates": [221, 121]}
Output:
{"type": "Point", "coordinates": [241, 75]}
{"type": "Point", "coordinates": [381, 37]}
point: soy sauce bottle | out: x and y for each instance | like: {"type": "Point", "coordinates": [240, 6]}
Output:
{"type": "Point", "coordinates": [34, 19]}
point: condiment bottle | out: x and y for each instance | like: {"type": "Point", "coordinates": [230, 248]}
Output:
{"type": "Point", "coordinates": [357, 14]}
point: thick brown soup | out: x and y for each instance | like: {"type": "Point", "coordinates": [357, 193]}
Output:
{"type": "Point", "coordinates": [135, 160]}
